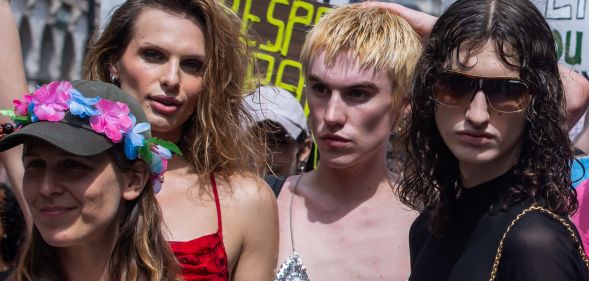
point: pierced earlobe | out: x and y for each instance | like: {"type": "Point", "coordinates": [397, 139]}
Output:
{"type": "Point", "coordinates": [301, 167]}
{"type": "Point", "coordinates": [114, 79]}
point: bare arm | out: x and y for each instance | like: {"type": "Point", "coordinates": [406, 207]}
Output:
{"type": "Point", "coordinates": [13, 84]}
{"type": "Point", "coordinates": [259, 251]}
{"type": "Point", "coordinates": [576, 87]}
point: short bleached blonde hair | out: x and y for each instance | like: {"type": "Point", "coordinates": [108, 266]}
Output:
{"type": "Point", "coordinates": [378, 39]}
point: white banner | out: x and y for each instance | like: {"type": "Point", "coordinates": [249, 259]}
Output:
{"type": "Point", "coordinates": [569, 20]}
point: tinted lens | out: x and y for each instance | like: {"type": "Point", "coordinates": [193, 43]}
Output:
{"type": "Point", "coordinates": [453, 89]}
{"type": "Point", "coordinates": [506, 95]}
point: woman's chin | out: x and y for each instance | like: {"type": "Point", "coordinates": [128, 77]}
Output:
{"type": "Point", "coordinates": [58, 240]}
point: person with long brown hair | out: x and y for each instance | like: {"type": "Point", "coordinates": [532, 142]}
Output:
{"type": "Point", "coordinates": [185, 63]}
{"type": "Point", "coordinates": [91, 174]}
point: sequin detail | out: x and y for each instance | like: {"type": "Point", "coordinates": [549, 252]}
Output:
{"type": "Point", "coordinates": [292, 270]}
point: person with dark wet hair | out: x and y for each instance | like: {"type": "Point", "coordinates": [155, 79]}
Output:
{"type": "Point", "coordinates": [488, 153]}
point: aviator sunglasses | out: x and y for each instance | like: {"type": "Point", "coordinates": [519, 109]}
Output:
{"type": "Point", "coordinates": [503, 94]}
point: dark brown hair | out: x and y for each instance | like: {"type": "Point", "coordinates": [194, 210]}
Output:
{"type": "Point", "coordinates": [520, 34]}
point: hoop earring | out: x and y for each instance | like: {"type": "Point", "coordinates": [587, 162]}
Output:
{"type": "Point", "coordinates": [114, 79]}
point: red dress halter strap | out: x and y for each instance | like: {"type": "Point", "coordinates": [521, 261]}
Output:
{"type": "Point", "coordinates": [204, 258]}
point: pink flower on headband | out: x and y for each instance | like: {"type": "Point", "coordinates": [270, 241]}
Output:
{"type": "Point", "coordinates": [21, 107]}
{"type": "Point", "coordinates": [113, 120]}
{"type": "Point", "coordinates": [51, 101]}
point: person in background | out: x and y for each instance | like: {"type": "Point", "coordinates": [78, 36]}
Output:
{"type": "Point", "coordinates": [342, 221]}
{"type": "Point", "coordinates": [91, 174]}
{"type": "Point", "coordinates": [281, 121]}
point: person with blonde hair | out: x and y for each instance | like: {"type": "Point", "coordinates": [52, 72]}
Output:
{"type": "Point", "coordinates": [185, 63]}
{"type": "Point", "coordinates": [342, 221]}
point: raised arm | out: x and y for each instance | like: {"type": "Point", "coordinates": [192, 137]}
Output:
{"type": "Point", "coordinates": [421, 22]}
{"type": "Point", "coordinates": [12, 74]}
{"type": "Point", "coordinates": [12, 84]}
{"type": "Point", "coordinates": [576, 87]}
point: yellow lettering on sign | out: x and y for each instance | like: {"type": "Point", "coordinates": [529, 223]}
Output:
{"type": "Point", "coordinates": [320, 12]}
{"type": "Point", "coordinates": [277, 44]}
{"type": "Point", "coordinates": [297, 89]}
{"type": "Point", "coordinates": [235, 6]}
{"type": "Point", "coordinates": [248, 18]}
{"type": "Point", "coordinates": [270, 69]}
{"type": "Point", "coordinates": [294, 19]}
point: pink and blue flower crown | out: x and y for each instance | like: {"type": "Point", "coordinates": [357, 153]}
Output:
{"type": "Point", "coordinates": [113, 119]}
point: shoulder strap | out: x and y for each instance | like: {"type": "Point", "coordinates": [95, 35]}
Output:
{"type": "Point", "coordinates": [294, 190]}
{"type": "Point", "coordinates": [556, 217]}
{"type": "Point", "coordinates": [218, 204]}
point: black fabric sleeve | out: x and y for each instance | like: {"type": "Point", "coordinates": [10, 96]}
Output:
{"type": "Point", "coordinates": [539, 248]}
{"type": "Point", "coordinates": [418, 234]}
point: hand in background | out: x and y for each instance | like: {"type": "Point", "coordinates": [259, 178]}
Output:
{"type": "Point", "coordinates": [421, 22]}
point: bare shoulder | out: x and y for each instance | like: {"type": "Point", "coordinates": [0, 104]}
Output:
{"type": "Point", "coordinates": [247, 192]}
{"type": "Point", "coordinates": [287, 190]}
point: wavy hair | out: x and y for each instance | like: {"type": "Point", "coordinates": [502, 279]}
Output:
{"type": "Point", "coordinates": [215, 139]}
{"type": "Point", "coordinates": [520, 34]}
{"type": "Point", "coordinates": [140, 251]}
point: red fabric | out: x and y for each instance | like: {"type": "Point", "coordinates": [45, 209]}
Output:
{"type": "Point", "coordinates": [203, 258]}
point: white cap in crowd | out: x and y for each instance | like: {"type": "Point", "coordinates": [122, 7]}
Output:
{"type": "Point", "coordinates": [278, 105]}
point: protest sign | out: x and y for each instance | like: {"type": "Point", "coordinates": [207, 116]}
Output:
{"type": "Point", "coordinates": [570, 26]}
{"type": "Point", "coordinates": [279, 27]}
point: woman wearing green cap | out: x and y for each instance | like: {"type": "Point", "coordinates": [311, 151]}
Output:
{"type": "Point", "coordinates": [91, 174]}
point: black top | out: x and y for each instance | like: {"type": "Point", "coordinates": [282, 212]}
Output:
{"type": "Point", "coordinates": [537, 248]}
{"type": "Point", "coordinates": [275, 183]}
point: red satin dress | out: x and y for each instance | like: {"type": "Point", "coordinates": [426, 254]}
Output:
{"type": "Point", "coordinates": [203, 258]}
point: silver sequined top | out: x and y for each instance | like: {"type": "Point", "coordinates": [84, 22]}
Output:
{"type": "Point", "coordinates": [292, 269]}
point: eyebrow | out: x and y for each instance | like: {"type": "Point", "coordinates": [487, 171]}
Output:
{"type": "Point", "coordinates": [362, 85]}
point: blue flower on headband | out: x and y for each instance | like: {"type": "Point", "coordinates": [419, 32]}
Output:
{"type": "Point", "coordinates": [159, 164]}
{"type": "Point", "coordinates": [82, 106]}
{"type": "Point", "coordinates": [31, 108]}
{"type": "Point", "coordinates": [134, 139]}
